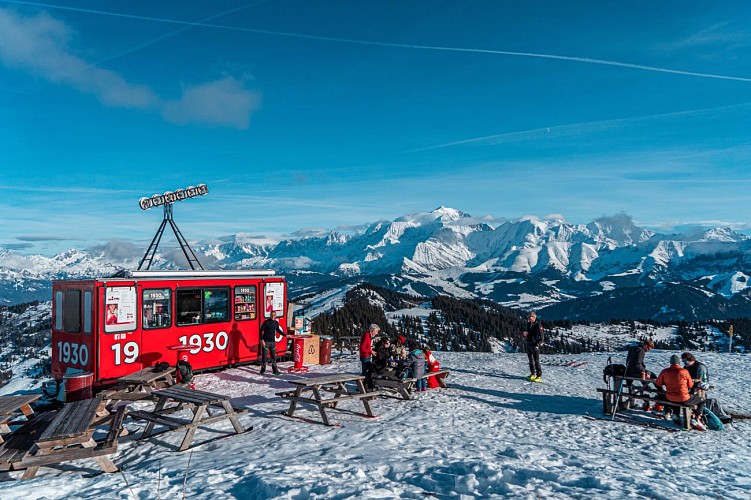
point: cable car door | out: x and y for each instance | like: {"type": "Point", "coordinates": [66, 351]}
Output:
{"type": "Point", "coordinates": [120, 339]}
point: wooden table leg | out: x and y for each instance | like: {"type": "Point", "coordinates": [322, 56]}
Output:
{"type": "Point", "coordinates": [232, 417]}
{"type": "Point", "coordinates": [150, 426]}
{"type": "Point", "coordinates": [293, 401]}
{"type": "Point", "coordinates": [321, 408]}
{"type": "Point", "coordinates": [197, 415]}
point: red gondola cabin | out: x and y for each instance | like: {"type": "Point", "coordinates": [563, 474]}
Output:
{"type": "Point", "coordinates": [115, 326]}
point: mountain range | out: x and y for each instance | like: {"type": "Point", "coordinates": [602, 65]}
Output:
{"type": "Point", "coordinates": [609, 268]}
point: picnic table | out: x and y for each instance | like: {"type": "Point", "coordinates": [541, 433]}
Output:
{"type": "Point", "coordinates": [12, 407]}
{"type": "Point", "coordinates": [183, 398]}
{"type": "Point", "coordinates": [350, 342]}
{"type": "Point", "coordinates": [404, 386]}
{"type": "Point", "coordinates": [141, 384]}
{"type": "Point", "coordinates": [314, 391]}
{"type": "Point", "coordinates": [639, 389]}
{"type": "Point", "coordinates": [60, 436]}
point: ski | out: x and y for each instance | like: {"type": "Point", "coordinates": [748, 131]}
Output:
{"type": "Point", "coordinates": [633, 421]}
{"type": "Point", "coordinates": [577, 365]}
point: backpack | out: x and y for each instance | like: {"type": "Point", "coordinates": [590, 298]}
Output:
{"type": "Point", "coordinates": [186, 371]}
{"type": "Point", "coordinates": [716, 408]}
{"type": "Point", "coordinates": [713, 421]}
{"type": "Point", "coordinates": [613, 370]}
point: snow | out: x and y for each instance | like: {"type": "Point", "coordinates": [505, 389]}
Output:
{"type": "Point", "coordinates": [491, 434]}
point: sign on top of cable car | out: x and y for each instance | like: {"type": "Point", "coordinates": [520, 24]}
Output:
{"type": "Point", "coordinates": [169, 197]}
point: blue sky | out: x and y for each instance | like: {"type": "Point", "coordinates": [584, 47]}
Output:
{"type": "Point", "coordinates": [313, 114]}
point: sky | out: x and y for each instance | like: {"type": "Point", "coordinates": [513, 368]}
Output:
{"type": "Point", "coordinates": [305, 115]}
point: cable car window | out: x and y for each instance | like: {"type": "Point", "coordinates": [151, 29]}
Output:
{"type": "Point", "coordinates": [86, 312]}
{"type": "Point", "coordinates": [156, 308]}
{"type": "Point", "coordinates": [58, 311]}
{"type": "Point", "coordinates": [188, 306]}
{"type": "Point", "coordinates": [72, 311]}
{"type": "Point", "coordinates": [216, 305]}
{"type": "Point", "coordinates": [245, 302]}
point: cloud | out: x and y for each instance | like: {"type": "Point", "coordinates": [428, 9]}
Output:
{"type": "Point", "coordinates": [41, 45]}
{"type": "Point", "coordinates": [16, 246]}
{"type": "Point", "coordinates": [118, 250]}
{"type": "Point", "coordinates": [223, 102]}
{"type": "Point", "coordinates": [43, 237]}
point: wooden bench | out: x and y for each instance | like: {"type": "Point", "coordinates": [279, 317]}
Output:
{"type": "Point", "coordinates": [609, 400]}
{"type": "Point", "coordinates": [15, 406]}
{"type": "Point", "coordinates": [319, 386]}
{"type": "Point", "coordinates": [62, 436]}
{"type": "Point", "coordinates": [196, 401]}
{"type": "Point", "coordinates": [141, 384]}
{"type": "Point", "coordinates": [349, 342]}
{"type": "Point", "coordinates": [405, 386]}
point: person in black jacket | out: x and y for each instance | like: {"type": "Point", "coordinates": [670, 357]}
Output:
{"type": "Point", "coordinates": [534, 336]}
{"type": "Point", "coordinates": [635, 366]}
{"type": "Point", "coordinates": [269, 329]}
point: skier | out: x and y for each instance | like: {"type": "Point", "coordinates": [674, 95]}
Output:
{"type": "Point", "coordinates": [269, 328]}
{"type": "Point", "coordinates": [534, 336]}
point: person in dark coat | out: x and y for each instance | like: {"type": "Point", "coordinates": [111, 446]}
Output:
{"type": "Point", "coordinates": [533, 337]}
{"type": "Point", "coordinates": [269, 329]}
{"type": "Point", "coordinates": [635, 366]}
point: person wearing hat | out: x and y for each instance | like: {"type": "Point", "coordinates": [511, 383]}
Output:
{"type": "Point", "coordinates": [678, 384]}
{"type": "Point", "coordinates": [366, 353]}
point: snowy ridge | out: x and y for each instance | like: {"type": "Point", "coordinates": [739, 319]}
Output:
{"type": "Point", "coordinates": [557, 259]}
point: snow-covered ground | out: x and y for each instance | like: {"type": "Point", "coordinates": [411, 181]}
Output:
{"type": "Point", "coordinates": [491, 434]}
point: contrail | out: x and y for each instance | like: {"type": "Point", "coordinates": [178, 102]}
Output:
{"type": "Point", "coordinates": [568, 126]}
{"type": "Point", "coordinates": [587, 60]}
{"type": "Point", "coordinates": [178, 31]}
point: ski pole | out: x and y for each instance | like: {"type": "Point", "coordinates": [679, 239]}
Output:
{"type": "Point", "coordinates": [617, 399]}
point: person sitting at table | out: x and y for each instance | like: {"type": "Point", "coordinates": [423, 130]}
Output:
{"type": "Point", "coordinates": [383, 361]}
{"type": "Point", "coordinates": [400, 350]}
{"type": "Point", "coordinates": [269, 329]}
{"type": "Point", "coordinates": [432, 365]}
{"type": "Point", "coordinates": [678, 383]}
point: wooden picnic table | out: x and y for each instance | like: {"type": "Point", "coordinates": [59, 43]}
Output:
{"type": "Point", "coordinates": [142, 384]}
{"type": "Point", "coordinates": [350, 342]}
{"type": "Point", "coordinates": [404, 386]}
{"type": "Point", "coordinates": [320, 385]}
{"type": "Point", "coordinates": [183, 398]}
{"type": "Point", "coordinates": [55, 437]}
{"type": "Point", "coordinates": [11, 406]}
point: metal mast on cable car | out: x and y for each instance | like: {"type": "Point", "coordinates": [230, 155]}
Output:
{"type": "Point", "coordinates": [167, 199]}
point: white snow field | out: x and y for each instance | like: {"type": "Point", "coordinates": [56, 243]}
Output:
{"type": "Point", "coordinates": [491, 434]}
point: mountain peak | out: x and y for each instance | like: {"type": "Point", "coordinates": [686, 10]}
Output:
{"type": "Point", "coordinates": [449, 214]}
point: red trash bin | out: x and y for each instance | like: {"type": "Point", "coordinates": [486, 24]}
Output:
{"type": "Point", "coordinates": [325, 354]}
{"type": "Point", "coordinates": [297, 354]}
{"type": "Point", "coordinates": [78, 386]}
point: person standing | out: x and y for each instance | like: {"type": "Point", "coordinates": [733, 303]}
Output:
{"type": "Point", "coordinates": [269, 329]}
{"type": "Point", "coordinates": [366, 353]}
{"type": "Point", "coordinates": [635, 366]}
{"type": "Point", "coordinates": [533, 337]}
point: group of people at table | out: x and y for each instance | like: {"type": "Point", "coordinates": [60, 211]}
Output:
{"type": "Point", "coordinates": [685, 384]}
{"type": "Point", "coordinates": [381, 357]}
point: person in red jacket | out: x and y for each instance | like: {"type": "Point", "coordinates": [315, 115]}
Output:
{"type": "Point", "coordinates": [678, 383]}
{"type": "Point", "coordinates": [366, 353]}
{"type": "Point", "coordinates": [433, 366]}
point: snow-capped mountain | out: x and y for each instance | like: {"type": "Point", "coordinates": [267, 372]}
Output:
{"type": "Point", "coordinates": [529, 262]}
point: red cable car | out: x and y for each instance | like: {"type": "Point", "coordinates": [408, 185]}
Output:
{"type": "Point", "coordinates": [115, 326]}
